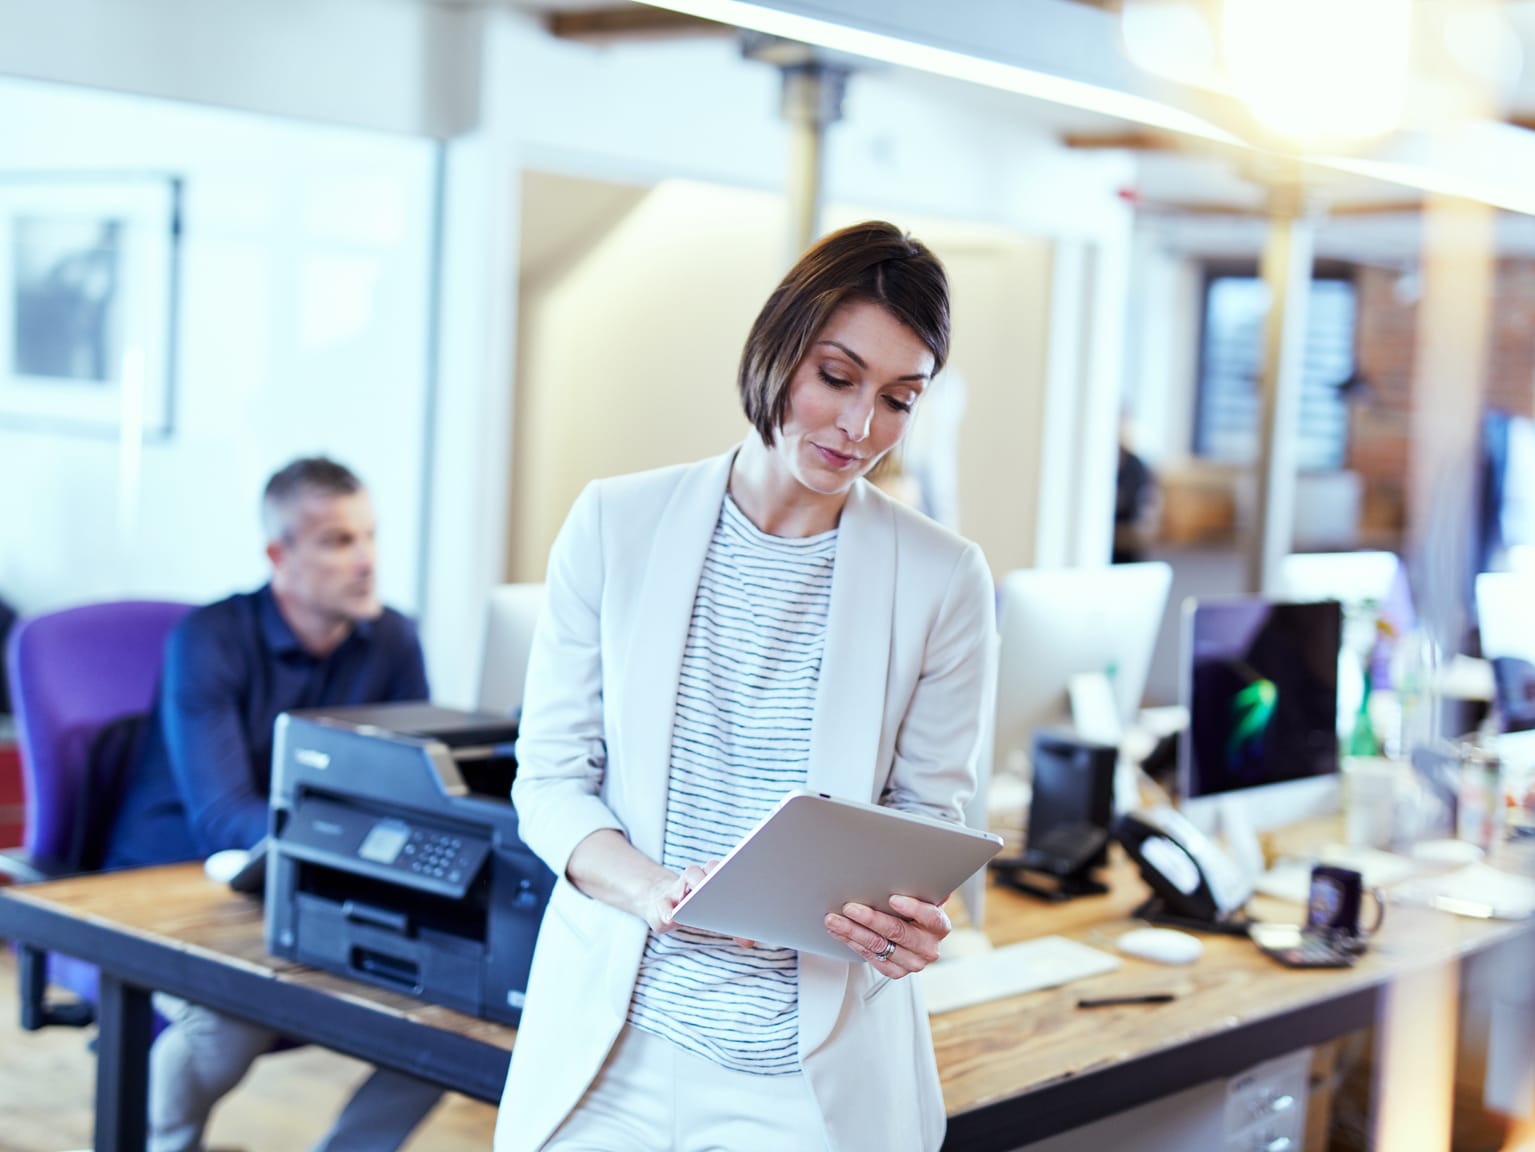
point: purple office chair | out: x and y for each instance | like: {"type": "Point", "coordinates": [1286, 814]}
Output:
{"type": "Point", "coordinates": [74, 675]}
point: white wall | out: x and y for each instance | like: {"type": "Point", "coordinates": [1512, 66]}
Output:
{"type": "Point", "coordinates": [630, 351]}
{"type": "Point", "coordinates": [302, 320]}
{"type": "Point", "coordinates": [388, 66]}
{"type": "Point", "coordinates": [1000, 281]}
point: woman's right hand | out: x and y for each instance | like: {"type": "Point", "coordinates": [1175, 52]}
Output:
{"type": "Point", "coordinates": [665, 893]}
{"type": "Point", "coordinates": [606, 867]}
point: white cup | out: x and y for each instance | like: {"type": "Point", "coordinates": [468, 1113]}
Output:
{"type": "Point", "coordinates": [1369, 801]}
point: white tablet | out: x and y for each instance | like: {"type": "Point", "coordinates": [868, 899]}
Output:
{"type": "Point", "coordinates": [812, 854]}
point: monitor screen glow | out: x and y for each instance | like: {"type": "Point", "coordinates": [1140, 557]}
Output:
{"type": "Point", "coordinates": [1260, 681]}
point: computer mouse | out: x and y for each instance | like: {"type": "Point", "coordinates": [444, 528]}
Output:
{"type": "Point", "coordinates": [222, 866]}
{"type": "Point", "coordinates": [1163, 945]}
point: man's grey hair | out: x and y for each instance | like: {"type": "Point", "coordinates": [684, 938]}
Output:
{"type": "Point", "coordinates": [292, 482]}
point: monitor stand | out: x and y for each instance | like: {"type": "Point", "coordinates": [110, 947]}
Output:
{"type": "Point", "coordinates": [1063, 861]}
{"type": "Point", "coordinates": [1014, 873]}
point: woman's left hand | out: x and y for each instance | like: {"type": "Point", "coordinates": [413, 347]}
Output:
{"type": "Point", "coordinates": [895, 945]}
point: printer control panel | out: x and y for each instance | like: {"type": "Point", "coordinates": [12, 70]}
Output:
{"type": "Point", "coordinates": [387, 847]}
{"type": "Point", "coordinates": [423, 851]}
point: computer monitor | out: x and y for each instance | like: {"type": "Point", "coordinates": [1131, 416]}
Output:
{"type": "Point", "coordinates": [1260, 682]}
{"type": "Point", "coordinates": [1058, 623]}
{"type": "Point", "coordinates": [1504, 617]}
{"type": "Point", "coordinates": [1507, 629]}
{"type": "Point", "coordinates": [510, 616]}
{"type": "Point", "coordinates": [1373, 589]}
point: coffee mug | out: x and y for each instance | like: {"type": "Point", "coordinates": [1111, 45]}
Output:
{"type": "Point", "coordinates": [1335, 906]}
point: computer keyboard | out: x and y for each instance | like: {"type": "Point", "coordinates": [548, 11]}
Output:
{"type": "Point", "coordinates": [1011, 970]}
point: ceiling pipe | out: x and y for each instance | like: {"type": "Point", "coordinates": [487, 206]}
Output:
{"type": "Point", "coordinates": [812, 99]}
{"type": "Point", "coordinates": [813, 84]}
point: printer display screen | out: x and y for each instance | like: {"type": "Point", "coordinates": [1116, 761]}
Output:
{"type": "Point", "coordinates": [384, 841]}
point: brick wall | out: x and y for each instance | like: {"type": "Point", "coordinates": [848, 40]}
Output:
{"type": "Point", "coordinates": [12, 802]}
{"type": "Point", "coordinates": [1380, 426]}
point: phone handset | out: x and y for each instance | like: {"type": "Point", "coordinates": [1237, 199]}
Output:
{"type": "Point", "coordinates": [1192, 878]}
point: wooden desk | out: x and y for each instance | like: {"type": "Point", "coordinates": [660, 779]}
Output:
{"type": "Point", "coordinates": [1033, 1066]}
{"type": "Point", "coordinates": [172, 929]}
{"type": "Point", "coordinates": [1013, 1070]}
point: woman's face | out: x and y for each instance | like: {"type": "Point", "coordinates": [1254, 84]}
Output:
{"type": "Point", "coordinates": [851, 397]}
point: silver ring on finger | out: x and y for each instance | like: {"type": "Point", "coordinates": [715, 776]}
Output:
{"type": "Point", "coordinates": [886, 952]}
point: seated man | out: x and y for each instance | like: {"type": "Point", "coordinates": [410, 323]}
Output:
{"type": "Point", "coordinates": [315, 636]}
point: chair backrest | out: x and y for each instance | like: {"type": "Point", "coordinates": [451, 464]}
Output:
{"type": "Point", "coordinates": [510, 616]}
{"type": "Point", "coordinates": [73, 672]}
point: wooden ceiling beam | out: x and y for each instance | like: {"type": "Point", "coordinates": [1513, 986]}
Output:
{"type": "Point", "coordinates": [630, 21]}
{"type": "Point", "coordinates": [1131, 140]}
{"type": "Point", "coordinates": [1376, 208]}
{"type": "Point", "coordinates": [1193, 208]}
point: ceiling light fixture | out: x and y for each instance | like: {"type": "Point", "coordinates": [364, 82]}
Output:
{"type": "Point", "coordinates": [944, 62]}
{"type": "Point", "coordinates": [1396, 161]}
{"type": "Point", "coordinates": [1316, 72]}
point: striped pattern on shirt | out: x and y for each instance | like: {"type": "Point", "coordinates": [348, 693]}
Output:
{"type": "Point", "coordinates": [740, 741]}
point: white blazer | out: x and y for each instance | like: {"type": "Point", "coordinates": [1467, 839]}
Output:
{"type": "Point", "coordinates": [909, 643]}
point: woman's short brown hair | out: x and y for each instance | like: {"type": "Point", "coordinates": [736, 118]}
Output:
{"type": "Point", "coordinates": [873, 261]}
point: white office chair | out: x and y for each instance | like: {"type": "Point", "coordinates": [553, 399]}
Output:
{"type": "Point", "coordinates": [510, 615]}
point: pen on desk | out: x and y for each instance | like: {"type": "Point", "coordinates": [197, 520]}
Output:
{"type": "Point", "coordinates": [1116, 1001]}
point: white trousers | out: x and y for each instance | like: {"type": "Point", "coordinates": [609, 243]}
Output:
{"type": "Point", "coordinates": [652, 1096]}
{"type": "Point", "coordinates": [202, 1054]}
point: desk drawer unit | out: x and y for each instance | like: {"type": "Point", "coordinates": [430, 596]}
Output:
{"type": "Point", "coordinates": [1266, 1105]}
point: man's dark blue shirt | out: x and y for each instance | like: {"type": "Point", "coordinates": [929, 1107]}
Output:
{"type": "Point", "coordinates": [202, 780]}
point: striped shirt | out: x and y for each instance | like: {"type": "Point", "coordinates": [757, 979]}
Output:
{"type": "Point", "coordinates": [740, 741]}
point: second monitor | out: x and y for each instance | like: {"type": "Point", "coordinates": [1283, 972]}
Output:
{"type": "Point", "coordinates": [1059, 623]}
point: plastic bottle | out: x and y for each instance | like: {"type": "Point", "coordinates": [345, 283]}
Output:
{"type": "Point", "coordinates": [1414, 673]}
{"type": "Point", "coordinates": [1362, 740]}
{"type": "Point", "coordinates": [1479, 813]}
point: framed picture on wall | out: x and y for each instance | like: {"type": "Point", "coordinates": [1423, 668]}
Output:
{"type": "Point", "coordinates": [88, 286]}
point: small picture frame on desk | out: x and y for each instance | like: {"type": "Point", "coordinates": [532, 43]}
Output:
{"type": "Point", "coordinates": [88, 292]}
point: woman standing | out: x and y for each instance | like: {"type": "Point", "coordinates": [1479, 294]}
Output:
{"type": "Point", "coordinates": [718, 634]}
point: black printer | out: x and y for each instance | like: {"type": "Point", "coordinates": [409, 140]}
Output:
{"type": "Point", "coordinates": [393, 854]}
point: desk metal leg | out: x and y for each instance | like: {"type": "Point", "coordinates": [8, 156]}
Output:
{"type": "Point", "coordinates": [122, 1066]}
